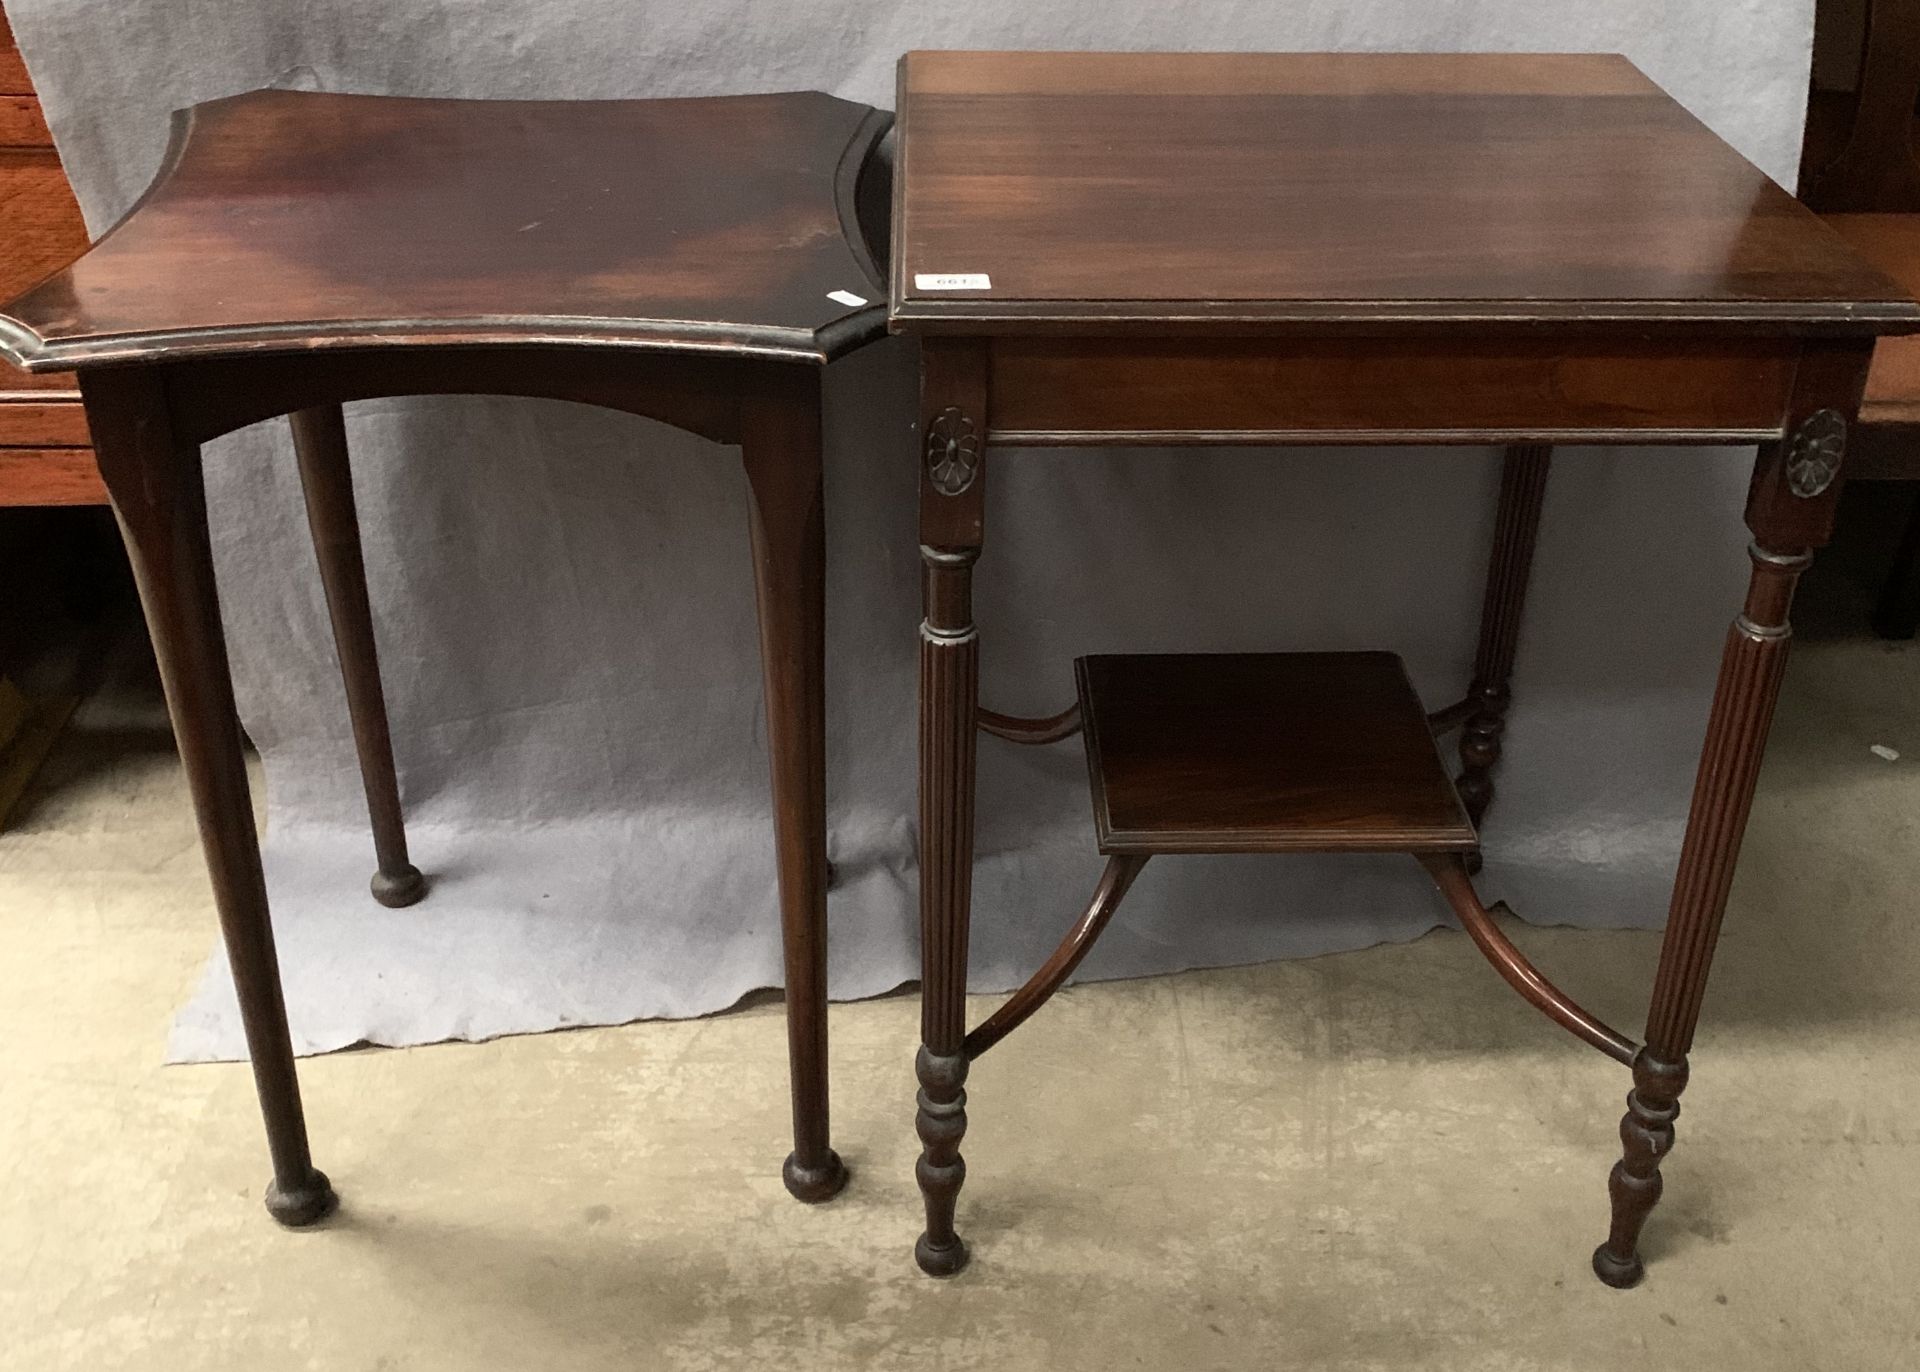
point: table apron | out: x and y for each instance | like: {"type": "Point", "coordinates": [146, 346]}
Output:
{"type": "Point", "coordinates": [1064, 392]}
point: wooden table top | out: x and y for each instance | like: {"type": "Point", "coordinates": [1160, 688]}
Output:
{"type": "Point", "coordinates": [1131, 192]}
{"type": "Point", "coordinates": [288, 220]}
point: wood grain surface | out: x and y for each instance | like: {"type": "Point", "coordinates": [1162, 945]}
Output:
{"type": "Point", "coordinates": [1120, 191]}
{"type": "Point", "coordinates": [292, 220]}
{"type": "Point", "coordinates": [1264, 753]}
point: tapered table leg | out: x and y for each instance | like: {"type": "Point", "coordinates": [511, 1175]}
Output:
{"type": "Point", "coordinates": [320, 440]}
{"type": "Point", "coordinates": [1523, 491]}
{"type": "Point", "coordinates": [952, 490]}
{"type": "Point", "coordinates": [156, 485]}
{"type": "Point", "coordinates": [781, 450]}
{"type": "Point", "coordinates": [1790, 510]}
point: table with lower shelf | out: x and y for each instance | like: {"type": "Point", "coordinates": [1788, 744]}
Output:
{"type": "Point", "coordinates": [1157, 249]}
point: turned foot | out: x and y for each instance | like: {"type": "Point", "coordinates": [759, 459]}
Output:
{"type": "Point", "coordinates": [400, 888]}
{"type": "Point", "coordinates": [1616, 1273]}
{"type": "Point", "coordinates": [300, 1205]}
{"type": "Point", "coordinates": [1646, 1137]}
{"type": "Point", "coordinates": [940, 1260]}
{"type": "Point", "coordinates": [941, 1123]}
{"type": "Point", "coordinates": [814, 1184]}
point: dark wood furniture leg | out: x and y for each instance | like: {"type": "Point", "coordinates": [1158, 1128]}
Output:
{"type": "Point", "coordinates": [320, 440]}
{"type": "Point", "coordinates": [156, 483]}
{"type": "Point", "coordinates": [1523, 490]}
{"type": "Point", "coordinates": [780, 446]}
{"type": "Point", "coordinates": [1750, 671]}
{"type": "Point", "coordinates": [952, 491]}
{"type": "Point", "coordinates": [1896, 614]}
{"type": "Point", "coordinates": [1790, 511]}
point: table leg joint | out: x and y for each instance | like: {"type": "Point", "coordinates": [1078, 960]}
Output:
{"type": "Point", "coordinates": [1451, 717]}
{"type": "Point", "coordinates": [1032, 732]}
{"type": "Point", "coordinates": [1449, 873]}
{"type": "Point", "coordinates": [1121, 870]}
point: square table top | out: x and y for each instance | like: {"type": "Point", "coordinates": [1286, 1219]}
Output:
{"type": "Point", "coordinates": [1127, 192]}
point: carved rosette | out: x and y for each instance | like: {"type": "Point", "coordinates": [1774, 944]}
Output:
{"type": "Point", "coordinates": [1814, 458]}
{"type": "Point", "coordinates": [953, 452]}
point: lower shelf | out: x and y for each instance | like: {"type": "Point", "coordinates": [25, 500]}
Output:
{"type": "Point", "coordinates": [1264, 753]}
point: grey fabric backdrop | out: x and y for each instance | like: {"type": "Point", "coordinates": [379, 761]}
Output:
{"type": "Point", "coordinates": [564, 603]}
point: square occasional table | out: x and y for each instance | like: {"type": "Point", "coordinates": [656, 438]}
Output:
{"type": "Point", "coordinates": [1159, 249]}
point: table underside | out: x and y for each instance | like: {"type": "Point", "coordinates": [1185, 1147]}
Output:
{"type": "Point", "coordinates": [1316, 752]}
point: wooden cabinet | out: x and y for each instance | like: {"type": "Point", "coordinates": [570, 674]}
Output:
{"type": "Point", "coordinates": [45, 453]}
{"type": "Point", "coordinates": [46, 457]}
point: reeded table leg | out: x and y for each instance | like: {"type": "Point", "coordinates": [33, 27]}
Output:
{"type": "Point", "coordinates": [949, 695]}
{"type": "Point", "coordinates": [155, 481]}
{"type": "Point", "coordinates": [1790, 509]}
{"type": "Point", "coordinates": [952, 489]}
{"type": "Point", "coordinates": [1750, 671]}
{"type": "Point", "coordinates": [781, 450]}
{"type": "Point", "coordinates": [1523, 490]}
{"type": "Point", "coordinates": [320, 440]}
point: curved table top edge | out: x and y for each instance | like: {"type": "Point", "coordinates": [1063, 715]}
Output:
{"type": "Point", "coordinates": [27, 349]}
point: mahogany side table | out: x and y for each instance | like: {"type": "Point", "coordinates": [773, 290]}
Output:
{"type": "Point", "coordinates": [1153, 249]}
{"type": "Point", "coordinates": [695, 261]}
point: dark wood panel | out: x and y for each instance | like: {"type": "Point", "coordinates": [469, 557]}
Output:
{"type": "Point", "coordinates": [1264, 753]}
{"type": "Point", "coordinates": [344, 220]}
{"type": "Point", "coordinates": [1112, 191]}
{"type": "Point", "coordinates": [1892, 243]}
{"type": "Point", "coordinates": [1048, 391]}
{"type": "Point", "coordinates": [50, 476]}
{"type": "Point", "coordinates": [1883, 452]}
{"type": "Point", "coordinates": [1858, 154]}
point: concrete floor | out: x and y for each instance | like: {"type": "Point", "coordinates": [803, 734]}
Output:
{"type": "Point", "coordinates": [1376, 1160]}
